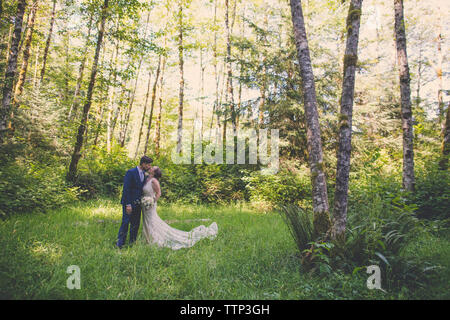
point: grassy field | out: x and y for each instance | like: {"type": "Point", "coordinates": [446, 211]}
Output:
{"type": "Point", "coordinates": [253, 257]}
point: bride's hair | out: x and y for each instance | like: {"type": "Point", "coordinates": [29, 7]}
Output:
{"type": "Point", "coordinates": [157, 173]}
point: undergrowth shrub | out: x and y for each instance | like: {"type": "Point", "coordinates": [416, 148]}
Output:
{"type": "Point", "coordinates": [27, 186]}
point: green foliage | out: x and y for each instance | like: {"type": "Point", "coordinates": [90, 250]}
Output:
{"type": "Point", "coordinates": [432, 194]}
{"type": "Point", "coordinates": [252, 258]}
{"type": "Point", "coordinates": [317, 257]}
{"type": "Point", "coordinates": [101, 173]}
{"type": "Point", "coordinates": [29, 186]}
{"type": "Point", "coordinates": [194, 183]}
{"type": "Point", "coordinates": [300, 224]}
{"type": "Point", "coordinates": [287, 186]}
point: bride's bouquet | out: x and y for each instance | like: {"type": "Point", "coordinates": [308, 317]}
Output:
{"type": "Point", "coordinates": [147, 202]}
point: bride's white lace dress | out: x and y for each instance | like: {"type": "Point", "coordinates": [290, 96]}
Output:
{"type": "Point", "coordinates": [157, 231]}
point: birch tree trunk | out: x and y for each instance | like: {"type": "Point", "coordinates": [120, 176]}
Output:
{"type": "Point", "coordinates": [75, 102]}
{"type": "Point", "coordinates": [104, 99]}
{"type": "Point", "coordinates": [112, 94]}
{"type": "Point", "coordinates": [314, 145]}
{"type": "Point", "coordinates": [443, 163]}
{"type": "Point", "coordinates": [83, 124]}
{"type": "Point", "coordinates": [26, 52]}
{"type": "Point", "coordinates": [345, 120]}
{"type": "Point", "coordinates": [405, 92]}
{"type": "Point", "coordinates": [158, 119]}
{"type": "Point", "coordinates": [216, 74]}
{"type": "Point", "coordinates": [263, 87]}
{"type": "Point", "coordinates": [47, 43]}
{"type": "Point", "coordinates": [229, 95]}
{"type": "Point", "coordinates": [144, 113]}
{"type": "Point", "coordinates": [11, 69]}
{"type": "Point", "coordinates": [127, 119]}
{"type": "Point", "coordinates": [181, 92]}
{"type": "Point", "coordinates": [202, 92]}
{"type": "Point", "coordinates": [158, 70]}
{"type": "Point", "coordinates": [440, 77]}
{"type": "Point", "coordinates": [36, 63]}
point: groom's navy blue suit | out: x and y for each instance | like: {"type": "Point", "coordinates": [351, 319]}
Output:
{"type": "Point", "coordinates": [132, 192]}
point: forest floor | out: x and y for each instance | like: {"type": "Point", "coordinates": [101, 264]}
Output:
{"type": "Point", "coordinates": [253, 257]}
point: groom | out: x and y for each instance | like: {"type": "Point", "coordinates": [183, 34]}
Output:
{"type": "Point", "coordinates": [131, 195]}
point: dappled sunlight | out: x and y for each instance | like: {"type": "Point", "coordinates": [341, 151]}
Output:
{"type": "Point", "coordinates": [49, 252]}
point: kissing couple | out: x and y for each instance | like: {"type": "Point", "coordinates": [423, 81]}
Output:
{"type": "Point", "coordinates": [141, 191]}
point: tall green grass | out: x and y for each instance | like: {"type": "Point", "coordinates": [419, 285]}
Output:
{"type": "Point", "coordinates": [253, 257]}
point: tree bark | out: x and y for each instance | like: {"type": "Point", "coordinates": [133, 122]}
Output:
{"type": "Point", "coordinates": [104, 99]}
{"type": "Point", "coordinates": [441, 82]}
{"type": "Point", "coordinates": [47, 43]}
{"type": "Point", "coordinates": [83, 124]}
{"type": "Point", "coordinates": [216, 75]}
{"type": "Point", "coordinates": [75, 102]}
{"type": "Point", "coordinates": [26, 52]}
{"type": "Point", "coordinates": [11, 69]}
{"type": "Point", "coordinates": [158, 70]}
{"type": "Point", "coordinates": [263, 87]}
{"type": "Point", "coordinates": [144, 113]}
{"type": "Point", "coordinates": [405, 92]}
{"type": "Point", "coordinates": [127, 119]}
{"type": "Point", "coordinates": [314, 145]}
{"type": "Point", "coordinates": [158, 119]}
{"type": "Point", "coordinates": [181, 92]}
{"type": "Point", "coordinates": [230, 94]}
{"type": "Point", "coordinates": [345, 121]}
{"type": "Point", "coordinates": [109, 131]}
{"type": "Point", "coordinates": [443, 163]}
{"type": "Point", "coordinates": [36, 63]}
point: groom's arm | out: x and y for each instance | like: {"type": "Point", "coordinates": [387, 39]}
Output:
{"type": "Point", "coordinates": [126, 189]}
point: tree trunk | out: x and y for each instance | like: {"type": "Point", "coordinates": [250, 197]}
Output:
{"type": "Point", "coordinates": [36, 63]}
{"type": "Point", "coordinates": [24, 30]}
{"type": "Point", "coordinates": [47, 43]}
{"type": "Point", "coordinates": [8, 45]}
{"type": "Point", "coordinates": [314, 145]}
{"type": "Point", "coordinates": [229, 96]}
{"type": "Point", "coordinates": [345, 120]}
{"type": "Point", "coordinates": [109, 131]}
{"type": "Point", "coordinates": [181, 92]}
{"type": "Point", "coordinates": [104, 99]}
{"type": "Point", "coordinates": [74, 105]}
{"type": "Point", "coordinates": [83, 124]}
{"type": "Point", "coordinates": [158, 119]}
{"type": "Point", "coordinates": [419, 78]}
{"type": "Point", "coordinates": [158, 70]}
{"type": "Point", "coordinates": [11, 69]}
{"type": "Point", "coordinates": [202, 92]}
{"type": "Point", "coordinates": [405, 92]}
{"type": "Point", "coordinates": [441, 82]}
{"type": "Point", "coordinates": [241, 69]}
{"type": "Point", "coordinates": [144, 113]}
{"type": "Point", "coordinates": [443, 163]}
{"type": "Point", "coordinates": [118, 110]}
{"type": "Point", "coordinates": [263, 87]}
{"type": "Point", "coordinates": [26, 51]}
{"type": "Point", "coordinates": [216, 75]}
{"type": "Point", "coordinates": [127, 119]}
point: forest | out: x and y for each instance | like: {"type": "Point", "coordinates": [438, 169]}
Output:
{"type": "Point", "coordinates": [354, 93]}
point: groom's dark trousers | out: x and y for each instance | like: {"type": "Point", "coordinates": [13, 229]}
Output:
{"type": "Point", "coordinates": [132, 192]}
{"type": "Point", "coordinates": [132, 220]}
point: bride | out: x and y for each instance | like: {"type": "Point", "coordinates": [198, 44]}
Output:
{"type": "Point", "coordinates": [156, 230]}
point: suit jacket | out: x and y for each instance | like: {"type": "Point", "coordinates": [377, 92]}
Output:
{"type": "Point", "coordinates": [132, 187]}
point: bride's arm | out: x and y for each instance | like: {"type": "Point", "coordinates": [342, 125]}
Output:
{"type": "Point", "coordinates": [157, 188]}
